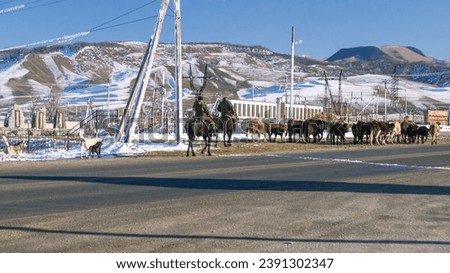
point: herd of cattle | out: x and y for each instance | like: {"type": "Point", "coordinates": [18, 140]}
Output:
{"type": "Point", "coordinates": [375, 132]}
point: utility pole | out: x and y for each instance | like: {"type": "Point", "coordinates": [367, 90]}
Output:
{"type": "Point", "coordinates": [179, 74]}
{"type": "Point", "coordinates": [133, 108]}
{"type": "Point", "coordinates": [292, 70]}
{"type": "Point", "coordinates": [385, 100]}
{"type": "Point", "coordinates": [340, 94]}
{"type": "Point", "coordinates": [293, 43]}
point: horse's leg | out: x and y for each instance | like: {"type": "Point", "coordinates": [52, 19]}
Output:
{"type": "Point", "coordinates": [224, 137]}
{"type": "Point", "coordinates": [191, 144]}
{"type": "Point", "coordinates": [206, 144]}
{"type": "Point", "coordinates": [189, 147]}
{"type": "Point", "coordinates": [192, 148]}
{"type": "Point", "coordinates": [209, 138]}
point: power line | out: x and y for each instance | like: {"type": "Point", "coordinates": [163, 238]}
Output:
{"type": "Point", "coordinates": [68, 38]}
{"type": "Point", "coordinates": [122, 24]}
{"type": "Point", "coordinates": [43, 5]}
{"type": "Point", "coordinates": [8, 2]}
{"type": "Point", "coordinates": [26, 6]}
{"type": "Point", "coordinates": [122, 15]}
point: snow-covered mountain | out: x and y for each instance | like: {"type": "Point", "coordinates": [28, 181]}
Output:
{"type": "Point", "coordinates": [73, 73]}
{"type": "Point", "coordinates": [410, 62]}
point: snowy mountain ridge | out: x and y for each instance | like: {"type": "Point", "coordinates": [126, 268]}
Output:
{"type": "Point", "coordinates": [74, 72]}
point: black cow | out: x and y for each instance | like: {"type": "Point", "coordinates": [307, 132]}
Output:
{"type": "Point", "coordinates": [411, 134]}
{"type": "Point", "coordinates": [338, 131]}
{"type": "Point", "coordinates": [294, 127]}
{"type": "Point", "coordinates": [314, 128]}
{"type": "Point", "coordinates": [361, 129]}
{"type": "Point", "coordinates": [422, 133]}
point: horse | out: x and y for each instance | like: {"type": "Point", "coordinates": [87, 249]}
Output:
{"type": "Point", "coordinates": [228, 126]}
{"type": "Point", "coordinates": [195, 128]}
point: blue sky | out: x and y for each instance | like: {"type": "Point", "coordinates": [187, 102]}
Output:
{"type": "Point", "coordinates": [324, 26]}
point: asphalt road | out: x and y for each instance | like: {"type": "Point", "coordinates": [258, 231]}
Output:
{"type": "Point", "coordinates": [348, 199]}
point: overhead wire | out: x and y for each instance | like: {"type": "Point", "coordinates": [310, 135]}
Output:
{"type": "Point", "coordinates": [42, 5]}
{"type": "Point", "coordinates": [26, 6]}
{"type": "Point", "coordinates": [122, 15]}
{"type": "Point", "coordinates": [8, 2]}
{"type": "Point", "coordinates": [124, 23]}
{"type": "Point", "coordinates": [102, 26]}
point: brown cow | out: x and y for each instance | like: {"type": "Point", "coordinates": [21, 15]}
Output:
{"type": "Point", "coordinates": [276, 129]}
{"type": "Point", "coordinates": [435, 129]}
{"type": "Point", "coordinates": [253, 127]}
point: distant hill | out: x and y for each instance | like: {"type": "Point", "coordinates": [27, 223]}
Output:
{"type": "Point", "coordinates": [389, 60]}
{"type": "Point", "coordinates": [368, 53]}
{"type": "Point", "coordinates": [363, 53]}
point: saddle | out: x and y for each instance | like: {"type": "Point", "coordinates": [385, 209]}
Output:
{"type": "Point", "coordinates": [199, 122]}
{"type": "Point", "coordinates": [229, 115]}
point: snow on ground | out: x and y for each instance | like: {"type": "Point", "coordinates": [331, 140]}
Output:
{"type": "Point", "coordinates": [109, 149]}
{"type": "Point", "coordinates": [359, 89]}
{"type": "Point", "coordinates": [112, 149]}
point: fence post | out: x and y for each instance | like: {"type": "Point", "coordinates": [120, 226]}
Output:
{"type": "Point", "coordinates": [28, 137]}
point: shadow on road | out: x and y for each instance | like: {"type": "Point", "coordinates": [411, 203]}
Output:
{"type": "Point", "coordinates": [228, 238]}
{"type": "Point", "coordinates": [235, 184]}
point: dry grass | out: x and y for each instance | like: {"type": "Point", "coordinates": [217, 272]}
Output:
{"type": "Point", "coordinates": [250, 147]}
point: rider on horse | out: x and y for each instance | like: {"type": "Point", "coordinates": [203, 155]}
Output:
{"type": "Point", "coordinates": [201, 111]}
{"type": "Point", "coordinates": [225, 107]}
